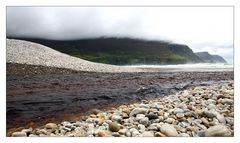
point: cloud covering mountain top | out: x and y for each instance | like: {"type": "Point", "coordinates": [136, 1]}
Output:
{"type": "Point", "coordinates": [201, 28]}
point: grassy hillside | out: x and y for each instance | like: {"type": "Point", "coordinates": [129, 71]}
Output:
{"type": "Point", "coordinates": [124, 51]}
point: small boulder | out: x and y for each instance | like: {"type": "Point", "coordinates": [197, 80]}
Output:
{"type": "Point", "coordinates": [217, 131]}
{"type": "Point", "coordinates": [114, 127]}
{"type": "Point", "coordinates": [136, 111]}
{"type": "Point", "coordinates": [19, 134]}
{"type": "Point", "coordinates": [168, 130]}
{"type": "Point", "coordinates": [52, 126]}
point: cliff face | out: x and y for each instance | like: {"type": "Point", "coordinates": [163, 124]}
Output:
{"type": "Point", "coordinates": [208, 58]}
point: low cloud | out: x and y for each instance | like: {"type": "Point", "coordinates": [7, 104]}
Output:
{"type": "Point", "coordinates": [212, 26]}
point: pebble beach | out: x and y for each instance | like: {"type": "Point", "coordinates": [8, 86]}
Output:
{"type": "Point", "coordinates": [200, 111]}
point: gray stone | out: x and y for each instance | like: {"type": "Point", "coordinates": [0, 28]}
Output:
{"type": "Point", "coordinates": [178, 110]}
{"type": "Point", "coordinates": [221, 118]}
{"type": "Point", "coordinates": [169, 120]}
{"type": "Point", "coordinates": [168, 130]}
{"type": "Point", "coordinates": [27, 131]}
{"type": "Point", "coordinates": [139, 117]}
{"type": "Point", "coordinates": [141, 128]}
{"type": "Point", "coordinates": [144, 121]}
{"type": "Point", "coordinates": [19, 134]}
{"type": "Point", "coordinates": [128, 134]}
{"type": "Point", "coordinates": [138, 111]}
{"type": "Point", "coordinates": [116, 118]}
{"type": "Point", "coordinates": [134, 132]}
{"type": "Point", "coordinates": [217, 131]}
{"type": "Point", "coordinates": [227, 101]}
{"type": "Point", "coordinates": [230, 120]}
{"type": "Point", "coordinates": [209, 114]}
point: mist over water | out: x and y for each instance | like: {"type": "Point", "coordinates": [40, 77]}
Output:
{"type": "Point", "coordinates": [188, 66]}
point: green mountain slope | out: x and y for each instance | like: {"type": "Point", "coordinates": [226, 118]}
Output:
{"type": "Point", "coordinates": [124, 51]}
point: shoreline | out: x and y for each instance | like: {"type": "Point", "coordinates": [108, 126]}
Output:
{"type": "Point", "coordinates": [196, 111]}
{"type": "Point", "coordinates": [66, 92]}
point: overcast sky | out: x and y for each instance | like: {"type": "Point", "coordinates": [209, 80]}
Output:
{"type": "Point", "coordinates": [201, 28]}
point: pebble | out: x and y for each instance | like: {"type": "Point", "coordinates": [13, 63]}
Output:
{"type": "Point", "coordinates": [141, 128]}
{"type": "Point", "coordinates": [227, 101]}
{"type": "Point", "coordinates": [179, 115]}
{"type": "Point", "coordinates": [183, 135]}
{"type": "Point", "coordinates": [152, 116]}
{"type": "Point", "coordinates": [168, 130]}
{"type": "Point", "coordinates": [139, 117]}
{"type": "Point", "coordinates": [103, 133]}
{"type": "Point", "coordinates": [123, 131]}
{"type": "Point", "coordinates": [116, 118]}
{"type": "Point", "coordinates": [209, 114]}
{"type": "Point", "coordinates": [147, 134]}
{"type": "Point", "coordinates": [19, 134]}
{"type": "Point", "coordinates": [144, 121]}
{"type": "Point", "coordinates": [52, 126]}
{"type": "Point", "coordinates": [114, 127]}
{"type": "Point", "coordinates": [169, 120]}
{"type": "Point", "coordinates": [138, 111]}
{"type": "Point", "coordinates": [217, 131]}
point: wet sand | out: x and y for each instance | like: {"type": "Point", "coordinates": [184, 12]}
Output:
{"type": "Point", "coordinates": [37, 95]}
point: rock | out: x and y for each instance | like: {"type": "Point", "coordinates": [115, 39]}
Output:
{"type": "Point", "coordinates": [227, 101]}
{"type": "Point", "coordinates": [152, 127]}
{"type": "Point", "coordinates": [116, 134]}
{"type": "Point", "coordinates": [141, 128]}
{"type": "Point", "coordinates": [168, 130]}
{"type": "Point", "coordinates": [184, 124]}
{"type": "Point", "coordinates": [144, 121]}
{"type": "Point", "coordinates": [122, 131]}
{"type": "Point", "coordinates": [211, 106]}
{"type": "Point", "coordinates": [27, 131]}
{"type": "Point", "coordinates": [178, 110]}
{"type": "Point", "coordinates": [52, 126]}
{"type": "Point", "coordinates": [152, 116]}
{"type": "Point", "coordinates": [134, 132]}
{"type": "Point", "coordinates": [96, 111]}
{"type": "Point", "coordinates": [217, 131]}
{"type": "Point", "coordinates": [165, 116]}
{"type": "Point", "coordinates": [143, 106]}
{"type": "Point", "coordinates": [159, 134]}
{"type": "Point", "coordinates": [79, 132]}
{"type": "Point", "coordinates": [205, 121]}
{"type": "Point", "coordinates": [147, 134]}
{"type": "Point", "coordinates": [138, 111]}
{"type": "Point", "coordinates": [114, 127]}
{"type": "Point", "coordinates": [209, 114]}
{"type": "Point", "coordinates": [128, 134]}
{"type": "Point", "coordinates": [124, 115]}
{"type": "Point", "coordinates": [179, 115]}
{"type": "Point", "coordinates": [139, 117]}
{"type": "Point", "coordinates": [169, 120]}
{"type": "Point", "coordinates": [116, 118]}
{"type": "Point", "coordinates": [103, 133]}
{"type": "Point", "coordinates": [230, 120]}
{"type": "Point", "coordinates": [221, 118]}
{"type": "Point", "coordinates": [32, 135]}
{"type": "Point", "coordinates": [19, 134]}
{"type": "Point", "coordinates": [183, 135]}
